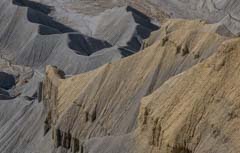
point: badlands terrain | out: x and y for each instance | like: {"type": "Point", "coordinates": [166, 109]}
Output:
{"type": "Point", "coordinates": [119, 76]}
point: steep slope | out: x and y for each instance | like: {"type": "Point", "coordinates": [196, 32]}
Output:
{"type": "Point", "coordinates": [32, 35]}
{"type": "Point", "coordinates": [21, 114]}
{"type": "Point", "coordinates": [103, 104]}
{"type": "Point", "coordinates": [224, 12]}
{"type": "Point", "coordinates": [198, 110]}
{"type": "Point", "coordinates": [179, 94]}
{"type": "Point", "coordinates": [29, 36]}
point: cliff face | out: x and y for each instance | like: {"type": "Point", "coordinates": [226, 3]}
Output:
{"type": "Point", "coordinates": [198, 110]}
{"type": "Point", "coordinates": [101, 106]}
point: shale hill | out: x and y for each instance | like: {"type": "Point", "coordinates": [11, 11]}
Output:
{"type": "Point", "coordinates": [102, 77]}
{"type": "Point", "coordinates": [223, 12]}
{"type": "Point", "coordinates": [177, 82]}
{"type": "Point", "coordinates": [30, 36]}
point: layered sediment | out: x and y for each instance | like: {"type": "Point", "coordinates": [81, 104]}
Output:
{"type": "Point", "coordinates": [69, 85]}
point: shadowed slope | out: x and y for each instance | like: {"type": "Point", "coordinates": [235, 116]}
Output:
{"type": "Point", "coordinates": [34, 5]}
{"type": "Point", "coordinates": [33, 44]}
{"type": "Point", "coordinates": [7, 81]}
{"type": "Point", "coordinates": [224, 12]}
{"type": "Point", "coordinates": [125, 27]}
{"type": "Point", "coordinates": [43, 41]}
